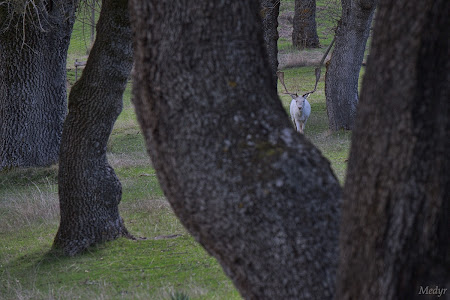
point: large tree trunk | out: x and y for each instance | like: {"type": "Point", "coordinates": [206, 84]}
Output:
{"type": "Point", "coordinates": [341, 80]}
{"type": "Point", "coordinates": [269, 12]}
{"type": "Point", "coordinates": [33, 51]}
{"type": "Point", "coordinates": [396, 209]}
{"type": "Point", "coordinates": [258, 196]}
{"type": "Point", "coordinates": [304, 33]}
{"type": "Point", "coordinates": [89, 190]}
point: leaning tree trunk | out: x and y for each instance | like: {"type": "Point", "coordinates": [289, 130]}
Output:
{"type": "Point", "coordinates": [397, 189]}
{"type": "Point", "coordinates": [258, 196]}
{"type": "Point", "coordinates": [269, 12]}
{"type": "Point", "coordinates": [33, 51]}
{"type": "Point", "coordinates": [89, 190]}
{"type": "Point", "coordinates": [341, 80]}
{"type": "Point", "coordinates": [304, 33]}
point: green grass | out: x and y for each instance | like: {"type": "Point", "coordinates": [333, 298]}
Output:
{"type": "Point", "coordinates": [145, 269]}
{"type": "Point", "coordinates": [284, 44]}
{"type": "Point", "coordinates": [150, 268]}
{"type": "Point", "coordinates": [122, 269]}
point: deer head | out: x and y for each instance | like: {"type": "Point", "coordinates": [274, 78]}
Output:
{"type": "Point", "coordinates": [299, 101]}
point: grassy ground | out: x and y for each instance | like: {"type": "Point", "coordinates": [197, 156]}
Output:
{"type": "Point", "coordinates": [169, 261]}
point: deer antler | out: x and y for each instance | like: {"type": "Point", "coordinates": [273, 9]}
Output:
{"type": "Point", "coordinates": [281, 78]}
{"type": "Point", "coordinates": [318, 69]}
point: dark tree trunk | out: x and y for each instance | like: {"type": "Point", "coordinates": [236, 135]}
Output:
{"type": "Point", "coordinates": [269, 13]}
{"type": "Point", "coordinates": [304, 33]}
{"type": "Point", "coordinates": [89, 190]}
{"type": "Point", "coordinates": [33, 51]}
{"type": "Point", "coordinates": [258, 196]}
{"type": "Point", "coordinates": [396, 209]}
{"type": "Point", "coordinates": [341, 80]}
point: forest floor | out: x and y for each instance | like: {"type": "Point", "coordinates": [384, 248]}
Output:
{"type": "Point", "coordinates": [168, 261]}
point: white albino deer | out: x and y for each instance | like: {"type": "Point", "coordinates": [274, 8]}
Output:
{"type": "Point", "coordinates": [300, 108]}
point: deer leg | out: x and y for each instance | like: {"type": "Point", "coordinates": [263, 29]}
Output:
{"type": "Point", "coordinates": [293, 122]}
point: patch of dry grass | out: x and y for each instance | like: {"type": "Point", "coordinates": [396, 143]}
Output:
{"type": "Point", "coordinates": [35, 205]}
{"type": "Point", "coordinates": [147, 206]}
{"type": "Point", "coordinates": [88, 289]}
{"type": "Point", "coordinates": [123, 160]}
{"type": "Point", "coordinates": [300, 59]}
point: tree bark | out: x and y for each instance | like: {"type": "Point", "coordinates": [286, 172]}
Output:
{"type": "Point", "coordinates": [258, 196]}
{"type": "Point", "coordinates": [269, 13]}
{"type": "Point", "coordinates": [89, 190]}
{"type": "Point", "coordinates": [33, 105]}
{"type": "Point", "coordinates": [341, 80]}
{"type": "Point", "coordinates": [395, 224]}
{"type": "Point", "coordinates": [304, 34]}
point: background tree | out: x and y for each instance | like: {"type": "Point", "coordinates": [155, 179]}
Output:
{"type": "Point", "coordinates": [224, 149]}
{"type": "Point", "coordinates": [259, 197]}
{"type": "Point", "coordinates": [341, 79]}
{"type": "Point", "coordinates": [395, 212]}
{"type": "Point", "coordinates": [304, 34]}
{"type": "Point", "coordinates": [34, 38]}
{"type": "Point", "coordinates": [269, 12]}
{"type": "Point", "coordinates": [89, 190]}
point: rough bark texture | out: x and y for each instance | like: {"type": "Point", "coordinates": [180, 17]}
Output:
{"type": "Point", "coordinates": [33, 105]}
{"type": "Point", "coordinates": [341, 80]}
{"type": "Point", "coordinates": [397, 191]}
{"type": "Point", "coordinates": [89, 190]}
{"type": "Point", "coordinates": [258, 196]}
{"type": "Point", "coordinates": [304, 33]}
{"type": "Point", "coordinates": [269, 13]}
